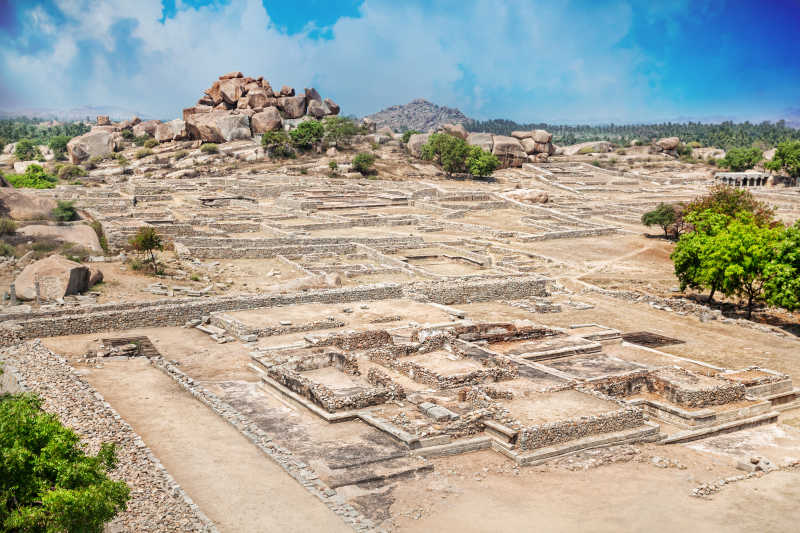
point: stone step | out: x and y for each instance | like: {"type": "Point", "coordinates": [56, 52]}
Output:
{"type": "Point", "coordinates": [379, 471]}
{"type": "Point", "coordinates": [728, 427]}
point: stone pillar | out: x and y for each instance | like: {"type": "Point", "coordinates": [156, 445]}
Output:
{"type": "Point", "coordinates": [12, 291]}
{"type": "Point", "coordinates": [36, 288]}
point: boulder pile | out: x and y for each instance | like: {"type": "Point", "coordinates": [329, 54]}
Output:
{"type": "Point", "coordinates": [667, 145]}
{"type": "Point", "coordinates": [57, 277]}
{"type": "Point", "coordinates": [522, 147]}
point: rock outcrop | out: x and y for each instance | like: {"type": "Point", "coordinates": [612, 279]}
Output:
{"type": "Point", "coordinates": [267, 120]}
{"type": "Point", "coordinates": [218, 126]}
{"type": "Point", "coordinates": [419, 114]}
{"type": "Point", "coordinates": [415, 143]}
{"type": "Point", "coordinates": [21, 204]}
{"type": "Point", "coordinates": [600, 147]}
{"type": "Point", "coordinates": [80, 234]}
{"type": "Point", "coordinates": [90, 144]}
{"type": "Point", "coordinates": [456, 130]}
{"type": "Point", "coordinates": [509, 151]}
{"type": "Point", "coordinates": [174, 130]}
{"type": "Point", "coordinates": [666, 145]}
{"type": "Point", "coordinates": [57, 276]}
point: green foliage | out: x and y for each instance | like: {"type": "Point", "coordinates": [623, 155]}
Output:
{"type": "Point", "coordinates": [47, 482]}
{"type": "Point", "coordinates": [684, 150]}
{"type": "Point", "coordinates": [363, 162]}
{"type": "Point", "coordinates": [14, 129]}
{"type": "Point", "coordinates": [64, 211]}
{"type": "Point", "coordinates": [6, 250]}
{"type": "Point", "coordinates": [144, 152]}
{"type": "Point", "coordinates": [101, 235]}
{"type": "Point", "coordinates": [34, 177]}
{"type": "Point", "coordinates": [58, 144]}
{"type": "Point", "coordinates": [278, 144]}
{"type": "Point", "coordinates": [782, 287]}
{"type": "Point", "coordinates": [150, 143]}
{"type": "Point", "coordinates": [730, 201]}
{"type": "Point", "coordinates": [338, 131]}
{"type": "Point", "coordinates": [725, 135]}
{"type": "Point", "coordinates": [694, 144]}
{"type": "Point", "coordinates": [787, 158]}
{"type": "Point", "coordinates": [407, 135]}
{"type": "Point", "coordinates": [7, 226]}
{"type": "Point", "coordinates": [306, 134]}
{"type": "Point", "coordinates": [147, 240]}
{"type": "Point", "coordinates": [664, 215]}
{"type": "Point", "coordinates": [180, 154]}
{"type": "Point", "coordinates": [140, 140]}
{"type": "Point", "coordinates": [480, 162]}
{"type": "Point", "coordinates": [209, 148]}
{"type": "Point", "coordinates": [27, 150]}
{"type": "Point", "coordinates": [127, 134]}
{"type": "Point", "coordinates": [739, 159]}
{"type": "Point", "coordinates": [66, 172]}
{"type": "Point", "coordinates": [586, 150]}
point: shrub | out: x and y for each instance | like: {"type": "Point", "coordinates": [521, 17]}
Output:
{"type": "Point", "coordinates": [712, 161]}
{"type": "Point", "coordinates": [6, 250]}
{"type": "Point", "coordinates": [278, 144]}
{"type": "Point", "coordinates": [363, 162]}
{"type": "Point", "coordinates": [194, 277]}
{"type": "Point", "coordinates": [140, 140]}
{"type": "Point", "coordinates": [101, 235]}
{"type": "Point", "coordinates": [306, 134]}
{"type": "Point", "coordinates": [64, 211]}
{"type": "Point", "coordinates": [338, 130]}
{"type": "Point", "coordinates": [333, 166]}
{"type": "Point", "coordinates": [26, 150]}
{"type": "Point", "coordinates": [739, 159]}
{"type": "Point", "coordinates": [586, 150]}
{"type": "Point", "coordinates": [695, 144]}
{"type": "Point", "coordinates": [66, 172]}
{"type": "Point", "coordinates": [150, 143]}
{"type": "Point", "coordinates": [480, 162]}
{"type": "Point", "coordinates": [7, 226]}
{"type": "Point", "coordinates": [34, 177]}
{"type": "Point", "coordinates": [58, 144]}
{"type": "Point", "coordinates": [665, 215]}
{"type": "Point", "coordinates": [449, 151]}
{"type": "Point", "coordinates": [209, 148]}
{"type": "Point", "coordinates": [787, 159]}
{"type": "Point", "coordinates": [147, 240]}
{"type": "Point", "coordinates": [144, 152]}
{"type": "Point", "coordinates": [407, 135]}
{"type": "Point", "coordinates": [128, 135]}
{"type": "Point", "coordinates": [621, 151]}
{"type": "Point", "coordinates": [180, 154]}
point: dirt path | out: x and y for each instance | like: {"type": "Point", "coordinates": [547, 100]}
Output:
{"type": "Point", "coordinates": [237, 486]}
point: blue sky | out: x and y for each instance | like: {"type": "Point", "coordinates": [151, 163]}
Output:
{"type": "Point", "coordinates": [567, 61]}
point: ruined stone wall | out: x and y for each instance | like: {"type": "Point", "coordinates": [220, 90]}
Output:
{"type": "Point", "coordinates": [541, 435]}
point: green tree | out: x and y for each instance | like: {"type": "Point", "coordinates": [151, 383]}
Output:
{"type": "Point", "coordinates": [738, 159]}
{"type": "Point", "coordinates": [407, 135]}
{"type": "Point", "coordinates": [58, 144]}
{"type": "Point", "coordinates": [34, 177]}
{"type": "Point", "coordinates": [694, 259]}
{"type": "Point", "coordinates": [48, 483]}
{"type": "Point", "coordinates": [730, 201]}
{"type": "Point", "coordinates": [277, 144]}
{"type": "Point", "coordinates": [449, 151]}
{"type": "Point", "coordinates": [306, 134]}
{"type": "Point", "coordinates": [363, 162]}
{"type": "Point", "coordinates": [787, 158]}
{"type": "Point", "coordinates": [64, 211]}
{"type": "Point", "coordinates": [338, 131]}
{"type": "Point", "coordinates": [480, 162]}
{"type": "Point", "coordinates": [147, 240]}
{"type": "Point", "coordinates": [664, 215]}
{"type": "Point", "coordinates": [26, 150]}
{"type": "Point", "coordinates": [782, 287]}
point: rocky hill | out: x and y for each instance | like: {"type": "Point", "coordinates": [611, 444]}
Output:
{"type": "Point", "coordinates": [419, 114]}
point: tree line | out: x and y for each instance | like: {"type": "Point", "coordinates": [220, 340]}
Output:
{"type": "Point", "coordinates": [725, 135]}
{"type": "Point", "coordinates": [16, 129]}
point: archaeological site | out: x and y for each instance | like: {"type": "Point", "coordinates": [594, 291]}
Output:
{"type": "Point", "coordinates": [264, 313]}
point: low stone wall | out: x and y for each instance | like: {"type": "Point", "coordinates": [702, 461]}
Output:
{"type": "Point", "coordinates": [553, 433]}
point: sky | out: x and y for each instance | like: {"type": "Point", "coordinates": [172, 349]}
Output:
{"type": "Point", "coordinates": [588, 61]}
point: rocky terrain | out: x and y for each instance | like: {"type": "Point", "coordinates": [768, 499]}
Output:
{"type": "Point", "coordinates": [419, 114]}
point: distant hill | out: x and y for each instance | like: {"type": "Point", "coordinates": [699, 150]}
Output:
{"type": "Point", "coordinates": [419, 114]}
{"type": "Point", "coordinates": [76, 113]}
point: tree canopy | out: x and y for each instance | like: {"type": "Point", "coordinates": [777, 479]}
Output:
{"type": "Point", "coordinates": [739, 159]}
{"type": "Point", "coordinates": [47, 482]}
{"type": "Point", "coordinates": [456, 156]}
{"type": "Point", "coordinates": [147, 240]}
{"type": "Point", "coordinates": [787, 158]}
{"type": "Point", "coordinates": [664, 215]}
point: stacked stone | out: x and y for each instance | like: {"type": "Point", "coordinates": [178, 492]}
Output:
{"type": "Point", "coordinates": [536, 143]}
{"type": "Point", "coordinates": [237, 107]}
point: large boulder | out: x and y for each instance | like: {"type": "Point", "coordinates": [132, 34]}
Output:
{"type": "Point", "coordinates": [456, 130]}
{"type": "Point", "coordinates": [231, 75]}
{"type": "Point", "coordinates": [542, 136]}
{"type": "Point", "coordinates": [522, 134]}
{"type": "Point", "coordinates": [196, 109]}
{"type": "Point", "coordinates": [415, 143]}
{"type": "Point", "coordinates": [316, 109]}
{"type": "Point", "coordinates": [509, 151]}
{"type": "Point", "coordinates": [484, 140]}
{"type": "Point", "coordinates": [293, 106]}
{"type": "Point", "coordinates": [668, 143]}
{"type": "Point", "coordinates": [218, 126]}
{"type": "Point", "coordinates": [173, 130]}
{"type": "Point", "coordinates": [22, 204]}
{"type": "Point", "coordinates": [543, 148]}
{"type": "Point", "coordinates": [128, 124]}
{"type": "Point", "coordinates": [258, 98]}
{"type": "Point", "coordinates": [333, 107]}
{"type": "Point", "coordinates": [600, 147]}
{"type": "Point", "coordinates": [147, 127]}
{"type": "Point", "coordinates": [231, 90]}
{"type": "Point", "coordinates": [312, 95]}
{"type": "Point", "coordinates": [528, 144]}
{"type": "Point", "coordinates": [214, 94]}
{"type": "Point", "coordinates": [267, 120]}
{"type": "Point", "coordinates": [79, 234]}
{"type": "Point", "coordinates": [90, 144]}
{"type": "Point", "coordinates": [57, 276]}
{"type": "Point", "coordinates": [286, 91]}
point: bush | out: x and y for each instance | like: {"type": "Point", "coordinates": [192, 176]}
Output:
{"type": "Point", "coordinates": [139, 141]}
{"type": "Point", "coordinates": [26, 150]}
{"type": "Point", "coordinates": [6, 250]}
{"type": "Point", "coordinates": [144, 152]}
{"type": "Point", "coordinates": [278, 144]}
{"type": "Point", "coordinates": [787, 158]}
{"type": "Point", "coordinates": [150, 143]}
{"type": "Point", "coordinates": [480, 162]}
{"type": "Point", "coordinates": [64, 211]}
{"type": "Point", "coordinates": [128, 135]}
{"type": "Point", "coordinates": [58, 145]}
{"type": "Point", "coordinates": [739, 159]}
{"type": "Point", "coordinates": [34, 177]}
{"type": "Point", "coordinates": [407, 135]}
{"type": "Point", "coordinates": [665, 215]}
{"type": "Point", "coordinates": [7, 226]}
{"type": "Point", "coordinates": [180, 154]}
{"type": "Point", "coordinates": [66, 172]}
{"type": "Point", "coordinates": [695, 144]}
{"type": "Point", "coordinates": [586, 150]}
{"type": "Point", "coordinates": [209, 148]}
{"type": "Point", "coordinates": [338, 130]}
{"type": "Point", "coordinates": [307, 134]}
{"type": "Point", "coordinates": [334, 168]}
{"type": "Point", "coordinates": [363, 162]}
{"type": "Point", "coordinates": [147, 240]}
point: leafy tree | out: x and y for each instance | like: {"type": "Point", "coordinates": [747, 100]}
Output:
{"type": "Point", "coordinates": [278, 144]}
{"type": "Point", "coordinates": [26, 150]}
{"type": "Point", "coordinates": [449, 151]}
{"type": "Point", "coordinates": [787, 157]}
{"type": "Point", "coordinates": [664, 215]}
{"type": "Point", "coordinates": [729, 201]}
{"type": "Point", "coordinates": [58, 144]}
{"type": "Point", "coordinates": [407, 135]}
{"type": "Point", "coordinates": [480, 162]}
{"type": "Point", "coordinates": [782, 287]}
{"type": "Point", "coordinates": [306, 134]}
{"type": "Point", "coordinates": [47, 482]}
{"type": "Point", "coordinates": [363, 162]}
{"type": "Point", "coordinates": [34, 177]}
{"type": "Point", "coordinates": [693, 258]}
{"type": "Point", "coordinates": [338, 130]}
{"type": "Point", "coordinates": [147, 240]}
{"type": "Point", "coordinates": [64, 211]}
{"type": "Point", "coordinates": [739, 159]}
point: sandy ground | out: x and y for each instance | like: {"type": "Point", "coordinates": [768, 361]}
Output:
{"type": "Point", "coordinates": [237, 486]}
